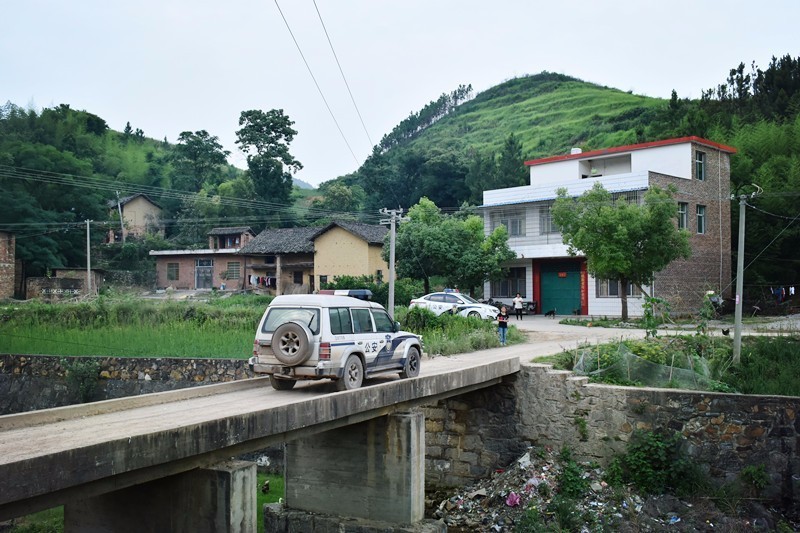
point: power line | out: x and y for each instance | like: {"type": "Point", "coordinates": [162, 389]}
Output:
{"type": "Point", "coordinates": [342, 73]}
{"type": "Point", "coordinates": [315, 83]}
{"type": "Point", "coordinates": [72, 180]}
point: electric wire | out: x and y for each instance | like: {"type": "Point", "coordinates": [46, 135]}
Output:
{"type": "Point", "coordinates": [315, 83]}
{"type": "Point", "coordinates": [343, 76]}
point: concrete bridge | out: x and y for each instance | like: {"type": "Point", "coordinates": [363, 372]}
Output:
{"type": "Point", "coordinates": [162, 462]}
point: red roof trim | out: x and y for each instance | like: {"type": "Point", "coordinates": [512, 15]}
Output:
{"type": "Point", "coordinates": [630, 148]}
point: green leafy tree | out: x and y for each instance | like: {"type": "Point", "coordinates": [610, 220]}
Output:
{"type": "Point", "coordinates": [624, 241]}
{"type": "Point", "coordinates": [265, 138]}
{"type": "Point", "coordinates": [434, 244]}
{"type": "Point", "coordinates": [198, 156]}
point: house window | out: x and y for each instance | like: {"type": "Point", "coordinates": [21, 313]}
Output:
{"type": "Point", "coordinates": [700, 165]}
{"type": "Point", "coordinates": [701, 219]}
{"type": "Point", "coordinates": [234, 269]}
{"type": "Point", "coordinates": [173, 271]}
{"type": "Point", "coordinates": [546, 224]}
{"type": "Point", "coordinates": [379, 276]}
{"type": "Point", "coordinates": [609, 288]}
{"type": "Point", "coordinates": [513, 221]}
{"type": "Point", "coordinates": [629, 197]}
{"type": "Point", "coordinates": [513, 284]}
{"type": "Point", "coordinates": [298, 277]}
{"type": "Point", "coordinates": [683, 215]}
{"type": "Point", "coordinates": [322, 280]}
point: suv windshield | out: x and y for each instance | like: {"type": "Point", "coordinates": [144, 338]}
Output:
{"type": "Point", "coordinates": [281, 315]}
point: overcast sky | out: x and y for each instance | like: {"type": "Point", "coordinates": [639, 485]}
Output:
{"type": "Point", "coordinates": [169, 66]}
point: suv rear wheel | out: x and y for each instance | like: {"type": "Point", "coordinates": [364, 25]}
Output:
{"type": "Point", "coordinates": [353, 374]}
{"type": "Point", "coordinates": [291, 343]}
{"type": "Point", "coordinates": [281, 384]}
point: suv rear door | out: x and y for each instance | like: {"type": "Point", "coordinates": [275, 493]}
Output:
{"type": "Point", "coordinates": [365, 336]}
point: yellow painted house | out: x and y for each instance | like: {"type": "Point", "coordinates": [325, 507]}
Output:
{"type": "Point", "coordinates": [140, 215]}
{"type": "Point", "coordinates": [345, 248]}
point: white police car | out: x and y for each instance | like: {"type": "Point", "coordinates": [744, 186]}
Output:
{"type": "Point", "coordinates": [455, 302]}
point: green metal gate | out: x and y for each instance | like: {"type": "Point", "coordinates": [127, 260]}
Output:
{"type": "Point", "coordinates": [561, 287]}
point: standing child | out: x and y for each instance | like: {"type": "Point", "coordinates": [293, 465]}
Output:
{"type": "Point", "coordinates": [502, 325]}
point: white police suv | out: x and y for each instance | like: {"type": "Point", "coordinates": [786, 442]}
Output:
{"type": "Point", "coordinates": [315, 336]}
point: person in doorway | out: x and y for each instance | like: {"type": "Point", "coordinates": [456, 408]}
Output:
{"type": "Point", "coordinates": [502, 325]}
{"type": "Point", "coordinates": [518, 306]}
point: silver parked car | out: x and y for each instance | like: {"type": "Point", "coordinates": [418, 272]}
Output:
{"type": "Point", "coordinates": [455, 302]}
{"type": "Point", "coordinates": [315, 336]}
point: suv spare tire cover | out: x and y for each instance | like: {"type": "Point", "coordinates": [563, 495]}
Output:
{"type": "Point", "coordinates": [291, 343]}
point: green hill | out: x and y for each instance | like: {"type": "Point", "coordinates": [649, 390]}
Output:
{"type": "Point", "coordinates": [548, 113]}
{"type": "Point", "coordinates": [459, 145]}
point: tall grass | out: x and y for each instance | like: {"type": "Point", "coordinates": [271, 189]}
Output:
{"type": "Point", "coordinates": [220, 328]}
{"type": "Point", "coordinates": [769, 365]}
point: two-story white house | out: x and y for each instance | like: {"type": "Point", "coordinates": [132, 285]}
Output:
{"type": "Point", "coordinates": [545, 273]}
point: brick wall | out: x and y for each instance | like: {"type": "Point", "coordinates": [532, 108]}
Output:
{"type": "Point", "coordinates": [684, 282]}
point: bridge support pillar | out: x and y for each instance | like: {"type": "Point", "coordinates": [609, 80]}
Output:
{"type": "Point", "coordinates": [373, 470]}
{"type": "Point", "coordinates": [219, 499]}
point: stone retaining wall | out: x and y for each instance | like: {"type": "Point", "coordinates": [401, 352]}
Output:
{"type": "Point", "coordinates": [39, 382]}
{"type": "Point", "coordinates": [470, 436]}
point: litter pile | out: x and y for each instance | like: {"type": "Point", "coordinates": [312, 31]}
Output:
{"type": "Point", "coordinates": [544, 491]}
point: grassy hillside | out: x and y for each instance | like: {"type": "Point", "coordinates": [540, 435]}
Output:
{"type": "Point", "coordinates": [549, 114]}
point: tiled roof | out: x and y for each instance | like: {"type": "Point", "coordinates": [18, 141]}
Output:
{"type": "Point", "coordinates": [125, 199]}
{"type": "Point", "coordinates": [369, 232]}
{"type": "Point", "coordinates": [281, 241]}
{"type": "Point", "coordinates": [231, 231]}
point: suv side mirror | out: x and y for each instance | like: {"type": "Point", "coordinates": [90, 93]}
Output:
{"type": "Point", "coordinates": [396, 325]}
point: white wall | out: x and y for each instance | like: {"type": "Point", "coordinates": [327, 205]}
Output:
{"type": "Point", "coordinates": [673, 160]}
{"type": "Point", "coordinates": [560, 172]}
{"type": "Point", "coordinates": [612, 307]}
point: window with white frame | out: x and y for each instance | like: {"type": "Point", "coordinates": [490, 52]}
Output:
{"type": "Point", "coordinates": [609, 288]}
{"type": "Point", "coordinates": [513, 284]}
{"type": "Point", "coordinates": [629, 197]}
{"type": "Point", "coordinates": [683, 215]}
{"type": "Point", "coordinates": [701, 219]}
{"type": "Point", "coordinates": [700, 165]}
{"type": "Point", "coordinates": [546, 224]}
{"type": "Point", "coordinates": [514, 221]}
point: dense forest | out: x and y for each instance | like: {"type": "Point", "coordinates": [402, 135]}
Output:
{"type": "Point", "coordinates": [60, 167]}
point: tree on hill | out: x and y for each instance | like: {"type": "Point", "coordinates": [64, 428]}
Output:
{"type": "Point", "coordinates": [434, 244]}
{"type": "Point", "coordinates": [622, 241]}
{"type": "Point", "coordinates": [197, 158]}
{"type": "Point", "coordinates": [265, 138]}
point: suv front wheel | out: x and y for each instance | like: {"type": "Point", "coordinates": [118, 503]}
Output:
{"type": "Point", "coordinates": [411, 368]}
{"type": "Point", "coordinates": [353, 375]}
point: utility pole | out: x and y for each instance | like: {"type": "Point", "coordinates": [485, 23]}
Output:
{"type": "Point", "coordinates": [121, 222]}
{"type": "Point", "coordinates": [395, 215]}
{"type": "Point", "coordinates": [88, 261]}
{"type": "Point", "coordinates": [737, 331]}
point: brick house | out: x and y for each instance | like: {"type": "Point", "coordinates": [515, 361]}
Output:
{"type": "Point", "coordinates": [218, 266]}
{"type": "Point", "coordinates": [281, 261]}
{"type": "Point", "coordinates": [140, 215]}
{"type": "Point", "coordinates": [7, 264]}
{"type": "Point", "coordinates": [364, 245]}
{"type": "Point", "coordinates": [544, 272]}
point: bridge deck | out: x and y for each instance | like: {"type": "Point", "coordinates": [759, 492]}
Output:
{"type": "Point", "coordinates": [52, 456]}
